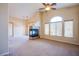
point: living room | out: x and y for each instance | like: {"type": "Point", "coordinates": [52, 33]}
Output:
{"type": "Point", "coordinates": [42, 29]}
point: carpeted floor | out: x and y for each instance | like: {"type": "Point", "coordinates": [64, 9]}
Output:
{"type": "Point", "coordinates": [43, 47]}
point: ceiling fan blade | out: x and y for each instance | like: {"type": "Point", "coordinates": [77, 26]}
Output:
{"type": "Point", "coordinates": [53, 8]}
{"type": "Point", "coordinates": [44, 4]}
{"type": "Point", "coordinates": [53, 4]}
{"type": "Point", "coordinates": [48, 3]}
{"type": "Point", "coordinates": [41, 8]}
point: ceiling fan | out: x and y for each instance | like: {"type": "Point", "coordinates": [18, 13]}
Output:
{"type": "Point", "coordinates": [48, 6]}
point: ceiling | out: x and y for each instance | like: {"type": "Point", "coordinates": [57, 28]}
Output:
{"type": "Point", "coordinates": [21, 10]}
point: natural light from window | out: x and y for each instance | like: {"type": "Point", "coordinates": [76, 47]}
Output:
{"type": "Point", "coordinates": [59, 27]}
{"type": "Point", "coordinates": [56, 26]}
{"type": "Point", "coordinates": [56, 19]}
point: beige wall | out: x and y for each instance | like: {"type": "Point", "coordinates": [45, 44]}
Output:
{"type": "Point", "coordinates": [3, 28]}
{"type": "Point", "coordinates": [67, 14]}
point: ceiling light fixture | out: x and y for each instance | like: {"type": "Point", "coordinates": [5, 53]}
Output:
{"type": "Point", "coordinates": [47, 8]}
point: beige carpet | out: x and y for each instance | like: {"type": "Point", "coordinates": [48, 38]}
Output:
{"type": "Point", "coordinates": [43, 47]}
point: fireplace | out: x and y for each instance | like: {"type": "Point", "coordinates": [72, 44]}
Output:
{"type": "Point", "coordinates": [33, 32]}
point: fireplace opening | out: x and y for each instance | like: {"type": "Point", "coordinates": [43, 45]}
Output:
{"type": "Point", "coordinates": [34, 32]}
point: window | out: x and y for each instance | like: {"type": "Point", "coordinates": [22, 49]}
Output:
{"type": "Point", "coordinates": [56, 29]}
{"type": "Point", "coordinates": [59, 29]}
{"type": "Point", "coordinates": [52, 29]}
{"type": "Point", "coordinates": [68, 29]}
{"type": "Point", "coordinates": [56, 19]}
{"type": "Point", "coordinates": [46, 29]}
{"type": "Point", "coordinates": [56, 26]}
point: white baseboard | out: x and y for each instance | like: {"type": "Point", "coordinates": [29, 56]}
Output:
{"type": "Point", "coordinates": [3, 54]}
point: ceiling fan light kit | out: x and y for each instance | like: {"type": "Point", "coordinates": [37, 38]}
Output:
{"type": "Point", "coordinates": [48, 6]}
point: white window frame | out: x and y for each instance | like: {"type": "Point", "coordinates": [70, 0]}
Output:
{"type": "Point", "coordinates": [64, 27]}
{"type": "Point", "coordinates": [56, 28]}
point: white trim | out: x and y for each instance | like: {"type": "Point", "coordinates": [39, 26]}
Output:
{"type": "Point", "coordinates": [3, 54]}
